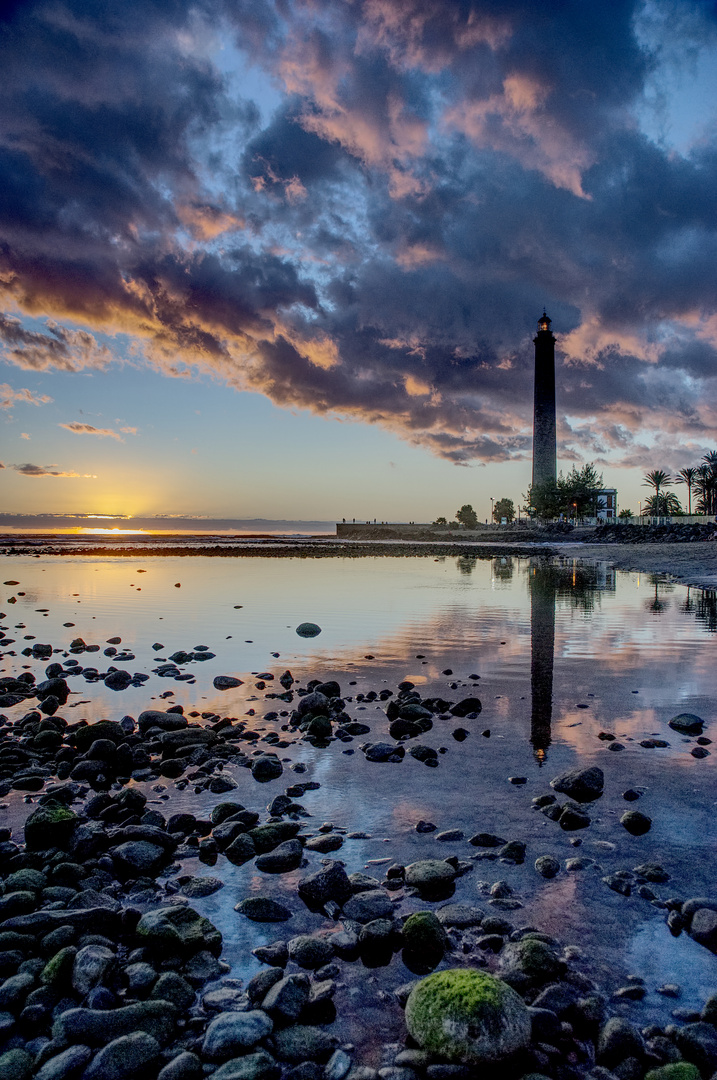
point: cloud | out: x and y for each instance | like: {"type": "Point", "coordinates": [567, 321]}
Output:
{"type": "Point", "coordinates": [373, 237]}
{"type": "Point", "coordinates": [59, 348]}
{"type": "Point", "coordinates": [23, 396]}
{"type": "Point", "coordinates": [88, 429]}
{"type": "Point", "coordinates": [49, 470]}
{"type": "Point", "coordinates": [25, 435]}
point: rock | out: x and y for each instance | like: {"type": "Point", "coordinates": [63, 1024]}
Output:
{"type": "Point", "coordinates": [687, 724]}
{"type": "Point", "coordinates": [547, 866]}
{"type": "Point", "coordinates": [185, 1066]}
{"type": "Point", "coordinates": [337, 1066]}
{"type": "Point", "coordinates": [383, 751]}
{"type": "Point", "coordinates": [198, 887]}
{"type": "Point", "coordinates": [267, 837]}
{"type": "Point", "coordinates": [678, 1070]}
{"type": "Point", "coordinates": [263, 909]}
{"type": "Point", "coordinates": [104, 729]}
{"type": "Point", "coordinates": [140, 979]}
{"type": "Point", "coordinates": [259, 1066]}
{"type": "Point", "coordinates": [51, 825]}
{"type": "Point", "coordinates": [365, 906]}
{"type": "Point", "coordinates": [512, 852]}
{"type": "Point", "coordinates": [308, 629]}
{"type": "Point", "coordinates": [118, 680]}
{"type": "Point", "coordinates": [636, 823]}
{"type": "Point", "coordinates": [310, 952]}
{"type": "Point", "coordinates": [57, 973]}
{"type": "Point", "coordinates": [449, 836]}
{"type": "Point", "coordinates": [530, 962]}
{"type": "Point", "coordinates": [583, 785]}
{"type": "Point", "coordinates": [96, 1027]}
{"type": "Point", "coordinates": [281, 860]}
{"type": "Point", "coordinates": [231, 1033]}
{"type": "Point", "coordinates": [430, 875]}
{"type": "Point", "coordinates": [314, 704]}
{"type": "Point", "coordinates": [240, 850]}
{"type": "Point", "coordinates": [138, 858]}
{"type": "Point", "coordinates": [423, 933]}
{"type": "Point", "coordinates": [572, 818]}
{"type": "Point", "coordinates": [178, 930]}
{"type": "Point", "coordinates": [67, 1064]}
{"type": "Point", "coordinates": [460, 915]}
{"type": "Point", "coordinates": [703, 928]}
{"type": "Point", "coordinates": [226, 682]}
{"type": "Point", "coordinates": [698, 1045]}
{"type": "Point", "coordinates": [484, 839]}
{"type": "Point", "coordinates": [467, 1016]}
{"type": "Point", "coordinates": [329, 883]}
{"type": "Point", "coordinates": [466, 707]}
{"type": "Point", "coordinates": [652, 872]}
{"type": "Point", "coordinates": [91, 967]}
{"type": "Point", "coordinates": [266, 767]}
{"type": "Point", "coordinates": [260, 984]}
{"type": "Point", "coordinates": [123, 1058]}
{"type": "Point", "coordinates": [173, 988]}
{"type": "Point", "coordinates": [303, 1043]}
{"type": "Point", "coordinates": [287, 998]}
{"type": "Point", "coordinates": [619, 1039]}
{"type": "Point", "coordinates": [16, 1065]}
{"type": "Point", "coordinates": [377, 939]}
{"type": "Point", "coordinates": [165, 721]}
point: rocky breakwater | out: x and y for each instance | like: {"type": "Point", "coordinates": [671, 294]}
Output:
{"type": "Point", "coordinates": [674, 533]}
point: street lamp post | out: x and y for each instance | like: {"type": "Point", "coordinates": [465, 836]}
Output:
{"type": "Point", "coordinates": [491, 511]}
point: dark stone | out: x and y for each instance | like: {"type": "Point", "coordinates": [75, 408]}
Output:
{"type": "Point", "coordinates": [583, 785]}
{"type": "Point", "coordinates": [636, 823]}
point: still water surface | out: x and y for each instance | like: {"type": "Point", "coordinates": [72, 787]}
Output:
{"type": "Point", "coordinates": [564, 651]}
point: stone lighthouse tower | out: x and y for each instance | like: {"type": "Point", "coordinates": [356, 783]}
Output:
{"type": "Point", "coordinates": [544, 451]}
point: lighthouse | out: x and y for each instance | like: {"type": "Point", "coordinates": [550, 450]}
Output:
{"type": "Point", "coordinates": [544, 442]}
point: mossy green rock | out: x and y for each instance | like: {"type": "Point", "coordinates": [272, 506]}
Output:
{"type": "Point", "coordinates": [26, 879]}
{"type": "Point", "coordinates": [15, 1065]}
{"type": "Point", "coordinates": [430, 875]}
{"type": "Point", "coordinates": [424, 933]}
{"type": "Point", "coordinates": [58, 971]}
{"type": "Point", "coordinates": [467, 1016]}
{"type": "Point", "coordinates": [51, 825]}
{"type": "Point", "coordinates": [680, 1070]}
{"type": "Point", "coordinates": [178, 930]}
{"type": "Point", "coordinates": [530, 962]}
{"type": "Point", "coordinates": [267, 837]}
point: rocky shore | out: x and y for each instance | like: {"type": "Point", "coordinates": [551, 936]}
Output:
{"type": "Point", "coordinates": [111, 971]}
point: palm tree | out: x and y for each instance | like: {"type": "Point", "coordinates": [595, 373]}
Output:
{"type": "Point", "coordinates": [663, 505]}
{"type": "Point", "coordinates": [687, 476]}
{"type": "Point", "coordinates": [710, 464]}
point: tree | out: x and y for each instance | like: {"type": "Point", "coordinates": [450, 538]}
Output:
{"type": "Point", "coordinates": [687, 476]}
{"type": "Point", "coordinates": [504, 508]}
{"type": "Point", "coordinates": [707, 483]}
{"type": "Point", "coordinates": [574, 494]}
{"type": "Point", "coordinates": [664, 504]}
{"type": "Point", "coordinates": [440, 521]}
{"type": "Point", "coordinates": [657, 479]}
{"type": "Point", "coordinates": [625, 514]}
{"type": "Point", "coordinates": [543, 500]}
{"type": "Point", "coordinates": [467, 516]}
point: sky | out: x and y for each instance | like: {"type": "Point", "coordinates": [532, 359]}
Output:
{"type": "Point", "coordinates": [284, 259]}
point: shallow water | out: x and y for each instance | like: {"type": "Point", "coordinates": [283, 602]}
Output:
{"type": "Point", "coordinates": [564, 650]}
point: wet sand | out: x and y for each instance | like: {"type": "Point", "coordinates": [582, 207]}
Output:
{"type": "Point", "coordinates": [688, 563]}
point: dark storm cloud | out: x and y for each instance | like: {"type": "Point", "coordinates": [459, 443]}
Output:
{"type": "Point", "coordinates": [436, 171]}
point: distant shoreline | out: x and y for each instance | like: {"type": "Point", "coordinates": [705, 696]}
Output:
{"type": "Point", "coordinates": [690, 563]}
